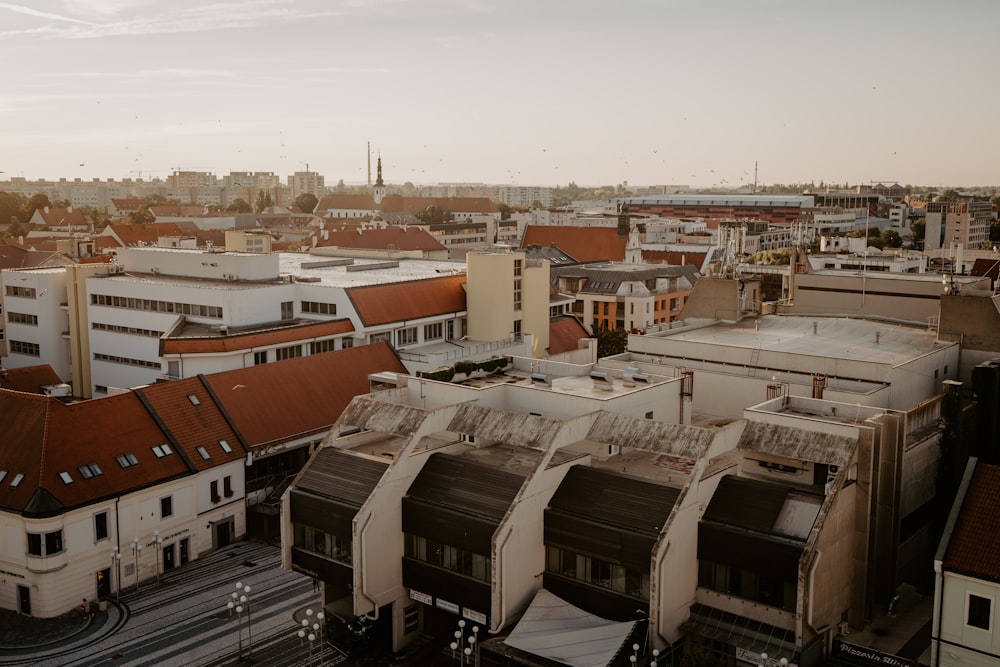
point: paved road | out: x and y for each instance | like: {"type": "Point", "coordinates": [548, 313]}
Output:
{"type": "Point", "coordinates": [184, 621]}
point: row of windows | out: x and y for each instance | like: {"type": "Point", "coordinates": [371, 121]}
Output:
{"type": "Point", "coordinates": [623, 579]}
{"type": "Point", "coordinates": [746, 584]}
{"type": "Point", "coordinates": [321, 346]}
{"type": "Point", "coordinates": [319, 308]}
{"type": "Point", "coordinates": [290, 352]}
{"type": "Point", "coordinates": [142, 363]}
{"type": "Point", "coordinates": [22, 347]}
{"type": "Point", "coordinates": [24, 292]}
{"type": "Point", "coordinates": [323, 543]}
{"type": "Point", "coordinates": [156, 306]}
{"type": "Point", "coordinates": [22, 318]}
{"type": "Point", "coordinates": [460, 561]}
{"type": "Point", "coordinates": [407, 336]}
{"type": "Point", "coordinates": [135, 331]}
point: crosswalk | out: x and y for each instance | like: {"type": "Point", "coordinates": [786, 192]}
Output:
{"type": "Point", "coordinates": [184, 621]}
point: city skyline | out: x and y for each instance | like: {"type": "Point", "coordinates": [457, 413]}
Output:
{"type": "Point", "coordinates": [674, 92]}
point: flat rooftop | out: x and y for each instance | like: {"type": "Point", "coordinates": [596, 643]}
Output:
{"type": "Point", "coordinates": [841, 338]}
{"type": "Point", "coordinates": [355, 274]}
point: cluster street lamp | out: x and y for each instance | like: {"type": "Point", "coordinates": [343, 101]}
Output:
{"type": "Point", "coordinates": [240, 602]}
{"type": "Point", "coordinates": [467, 655]}
{"type": "Point", "coordinates": [311, 631]}
{"type": "Point", "coordinates": [136, 551]}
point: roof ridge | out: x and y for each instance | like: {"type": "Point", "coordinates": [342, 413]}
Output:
{"type": "Point", "coordinates": [45, 440]}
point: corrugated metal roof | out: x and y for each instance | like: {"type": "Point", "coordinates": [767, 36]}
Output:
{"type": "Point", "coordinates": [343, 476]}
{"type": "Point", "coordinates": [614, 499]}
{"type": "Point", "coordinates": [761, 507]}
{"type": "Point", "coordinates": [795, 443]}
{"type": "Point", "coordinates": [648, 435]}
{"type": "Point", "coordinates": [466, 486]}
{"type": "Point", "coordinates": [512, 428]}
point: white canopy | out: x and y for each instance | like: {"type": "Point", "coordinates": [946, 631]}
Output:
{"type": "Point", "coordinates": [555, 629]}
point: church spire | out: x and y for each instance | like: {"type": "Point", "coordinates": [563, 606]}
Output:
{"type": "Point", "coordinates": [379, 193]}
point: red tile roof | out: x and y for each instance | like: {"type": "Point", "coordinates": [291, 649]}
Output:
{"type": "Point", "coordinates": [193, 423]}
{"type": "Point", "coordinates": [50, 437]}
{"type": "Point", "coordinates": [974, 548]}
{"type": "Point", "coordinates": [584, 244]}
{"type": "Point", "coordinates": [29, 379]}
{"type": "Point", "coordinates": [278, 402]}
{"type": "Point", "coordinates": [397, 302]}
{"type": "Point", "coordinates": [345, 202]}
{"type": "Point", "coordinates": [182, 211]}
{"type": "Point", "coordinates": [58, 217]}
{"type": "Point", "coordinates": [393, 237]}
{"type": "Point", "coordinates": [133, 235]}
{"type": "Point", "coordinates": [128, 205]}
{"type": "Point", "coordinates": [236, 341]}
{"type": "Point", "coordinates": [565, 333]}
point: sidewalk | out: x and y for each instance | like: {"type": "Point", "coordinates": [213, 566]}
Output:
{"type": "Point", "coordinates": [907, 633]}
{"type": "Point", "coordinates": [18, 631]}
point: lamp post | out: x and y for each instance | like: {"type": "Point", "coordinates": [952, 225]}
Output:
{"type": "Point", "coordinates": [136, 551]}
{"type": "Point", "coordinates": [244, 592]}
{"type": "Point", "coordinates": [654, 661]}
{"type": "Point", "coordinates": [158, 544]}
{"type": "Point", "coordinates": [116, 571]}
{"type": "Point", "coordinates": [234, 605]}
{"type": "Point", "coordinates": [472, 650]}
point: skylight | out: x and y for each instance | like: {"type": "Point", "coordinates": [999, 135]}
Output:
{"type": "Point", "coordinates": [3, 473]}
{"type": "Point", "coordinates": [127, 460]}
{"type": "Point", "coordinates": [17, 480]}
{"type": "Point", "coordinates": [204, 453]}
{"type": "Point", "coordinates": [162, 450]}
{"type": "Point", "coordinates": [66, 477]}
{"type": "Point", "coordinates": [225, 446]}
{"type": "Point", "coordinates": [194, 399]}
{"type": "Point", "coordinates": [90, 470]}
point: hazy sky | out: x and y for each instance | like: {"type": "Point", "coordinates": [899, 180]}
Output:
{"type": "Point", "coordinates": [505, 91]}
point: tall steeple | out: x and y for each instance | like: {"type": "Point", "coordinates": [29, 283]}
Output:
{"type": "Point", "coordinates": [379, 194]}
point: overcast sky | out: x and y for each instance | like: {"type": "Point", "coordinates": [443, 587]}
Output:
{"type": "Point", "coordinates": [531, 92]}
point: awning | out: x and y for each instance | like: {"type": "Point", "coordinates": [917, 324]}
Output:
{"type": "Point", "coordinates": [553, 628]}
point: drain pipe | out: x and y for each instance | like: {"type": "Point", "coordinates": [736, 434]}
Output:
{"type": "Point", "coordinates": [503, 597]}
{"type": "Point", "coordinates": [364, 570]}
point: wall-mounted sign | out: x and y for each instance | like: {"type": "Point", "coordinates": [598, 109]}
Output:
{"type": "Point", "coordinates": [474, 616]}
{"type": "Point", "coordinates": [447, 606]}
{"type": "Point", "coordinates": [868, 655]}
{"type": "Point", "coordinates": [421, 597]}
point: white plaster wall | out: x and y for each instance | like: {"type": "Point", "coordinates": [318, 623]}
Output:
{"type": "Point", "coordinates": [953, 628]}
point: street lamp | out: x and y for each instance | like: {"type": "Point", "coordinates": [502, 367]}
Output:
{"type": "Point", "coordinates": [136, 551]}
{"type": "Point", "coordinates": [656, 654]}
{"type": "Point", "coordinates": [245, 599]}
{"type": "Point", "coordinates": [158, 543]}
{"type": "Point", "coordinates": [234, 605]}
{"type": "Point", "coordinates": [116, 571]}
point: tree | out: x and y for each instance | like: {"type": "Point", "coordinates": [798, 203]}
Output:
{"type": "Point", "coordinates": [306, 202]}
{"type": "Point", "coordinates": [36, 202]}
{"type": "Point", "coordinates": [611, 341]}
{"type": "Point", "coordinates": [12, 207]}
{"type": "Point", "coordinates": [919, 228]}
{"type": "Point", "coordinates": [16, 228]}
{"type": "Point", "coordinates": [141, 216]}
{"type": "Point", "coordinates": [262, 201]}
{"type": "Point", "coordinates": [948, 195]}
{"type": "Point", "coordinates": [434, 215]}
{"type": "Point", "coordinates": [891, 239]}
{"type": "Point", "coordinates": [239, 206]}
